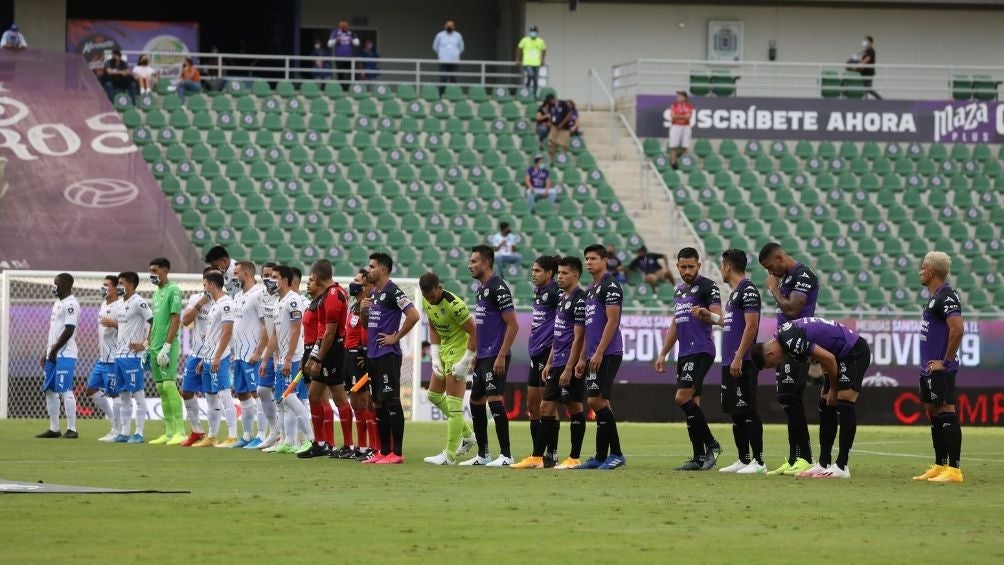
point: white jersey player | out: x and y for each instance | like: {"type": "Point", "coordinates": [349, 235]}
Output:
{"type": "Point", "coordinates": [134, 318]}
{"type": "Point", "coordinates": [215, 352]}
{"type": "Point", "coordinates": [101, 387]}
{"type": "Point", "coordinates": [60, 358]}
{"type": "Point", "coordinates": [248, 345]}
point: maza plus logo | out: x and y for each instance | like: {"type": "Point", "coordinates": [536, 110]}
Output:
{"type": "Point", "coordinates": [966, 123]}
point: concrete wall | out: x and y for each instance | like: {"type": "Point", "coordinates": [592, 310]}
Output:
{"type": "Point", "coordinates": [601, 35]}
{"type": "Point", "coordinates": [43, 23]}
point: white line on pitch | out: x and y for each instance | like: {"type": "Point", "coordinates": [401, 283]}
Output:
{"type": "Point", "coordinates": [916, 456]}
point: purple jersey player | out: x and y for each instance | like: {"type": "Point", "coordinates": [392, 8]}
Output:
{"type": "Point", "coordinates": [546, 296]}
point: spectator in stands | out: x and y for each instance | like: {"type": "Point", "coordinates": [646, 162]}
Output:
{"type": "Point", "coordinates": [503, 243]}
{"type": "Point", "coordinates": [343, 43]}
{"type": "Point", "coordinates": [560, 136]}
{"type": "Point", "coordinates": [117, 76]}
{"type": "Point", "coordinates": [191, 79]}
{"type": "Point", "coordinates": [653, 267]}
{"type": "Point", "coordinates": [573, 119]}
{"type": "Point", "coordinates": [321, 66]}
{"type": "Point", "coordinates": [537, 183]}
{"type": "Point", "coordinates": [371, 68]}
{"type": "Point", "coordinates": [144, 74]}
{"type": "Point", "coordinates": [614, 266]}
{"type": "Point", "coordinates": [866, 65]}
{"type": "Point", "coordinates": [543, 119]}
{"type": "Point", "coordinates": [13, 39]}
{"type": "Point", "coordinates": [530, 54]}
{"type": "Point", "coordinates": [449, 46]}
{"type": "Point", "coordinates": [680, 114]}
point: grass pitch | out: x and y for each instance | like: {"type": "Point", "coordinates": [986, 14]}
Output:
{"type": "Point", "coordinates": [249, 507]}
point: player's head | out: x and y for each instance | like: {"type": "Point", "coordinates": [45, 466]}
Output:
{"type": "Point", "coordinates": [283, 276]}
{"type": "Point", "coordinates": [360, 286]}
{"type": "Point", "coordinates": [379, 268]}
{"type": "Point", "coordinates": [596, 259]}
{"type": "Point", "coordinates": [482, 262]}
{"type": "Point", "coordinates": [219, 257]}
{"type": "Point", "coordinates": [937, 265]}
{"type": "Point", "coordinates": [569, 272]}
{"type": "Point", "coordinates": [212, 282]}
{"type": "Point", "coordinates": [543, 270]}
{"type": "Point", "coordinates": [767, 355]}
{"type": "Point", "coordinates": [641, 251]}
{"type": "Point", "coordinates": [244, 271]}
{"type": "Point", "coordinates": [62, 285]}
{"type": "Point", "coordinates": [130, 280]}
{"type": "Point", "coordinates": [431, 287]}
{"type": "Point", "coordinates": [322, 271]}
{"type": "Point", "coordinates": [774, 259]}
{"type": "Point", "coordinates": [297, 277]}
{"type": "Point", "coordinates": [733, 264]}
{"type": "Point", "coordinates": [159, 268]}
{"type": "Point", "coordinates": [266, 269]}
{"type": "Point", "coordinates": [681, 95]}
{"type": "Point", "coordinates": [109, 287]}
{"type": "Point", "coordinates": [688, 262]}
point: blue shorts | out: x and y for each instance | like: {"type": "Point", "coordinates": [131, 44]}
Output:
{"type": "Point", "coordinates": [129, 374]}
{"type": "Point", "coordinates": [102, 375]}
{"type": "Point", "coordinates": [213, 383]}
{"type": "Point", "coordinates": [59, 374]}
{"type": "Point", "coordinates": [268, 381]}
{"type": "Point", "coordinates": [192, 380]}
{"type": "Point", "coordinates": [282, 381]}
{"type": "Point", "coordinates": [245, 376]}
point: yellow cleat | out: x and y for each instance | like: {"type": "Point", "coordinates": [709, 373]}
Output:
{"type": "Point", "coordinates": [782, 470]}
{"type": "Point", "coordinates": [529, 463]}
{"type": "Point", "coordinates": [934, 471]}
{"type": "Point", "coordinates": [206, 442]}
{"type": "Point", "coordinates": [228, 443]}
{"type": "Point", "coordinates": [177, 439]}
{"type": "Point", "coordinates": [161, 440]}
{"type": "Point", "coordinates": [949, 475]}
{"type": "Point", "coordinates": [800, 466]}
{"type": "Point", "coordinates": [569, 463]}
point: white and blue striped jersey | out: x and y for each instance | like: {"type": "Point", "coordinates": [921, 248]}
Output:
{"type": "Point", "coordinates": [64, 313]}
{"type": "Point", "coordinates": [134, 314]}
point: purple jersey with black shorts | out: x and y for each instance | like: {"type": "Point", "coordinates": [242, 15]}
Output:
{"type": "Point", "coordinates": [799, 336]}
{"type": "Point", "coordinates": [694, 335]}
{"type": "Point", "coordinates": [799, 279]}
{"type": "Point", "coordinates": [494, 299]}
{"type": "Point", "coordinates": [745, 298]}
{"type": "Point", "coordinates": [571, 313]}
{"type": "Point", "coordinates": [607, 292]}
{"type": "Point", "coordinates": [545, 303]}
{"type": "Point", "coordinates": [944, 304]}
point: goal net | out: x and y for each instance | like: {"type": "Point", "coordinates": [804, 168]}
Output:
{"type": "Point", "coordinates": [26, 304]}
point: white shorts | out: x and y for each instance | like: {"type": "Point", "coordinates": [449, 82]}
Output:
{"type": "Point", "coordinates": [679, 136]}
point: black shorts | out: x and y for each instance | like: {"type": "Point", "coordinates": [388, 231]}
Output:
{"type": "Point", "coordinates": [486, 382]}
{"type": "Point", "coordinates": [851, 369]}
{"type": "Point", "coordinates": [691, 370]}
{"type": "Point", "coordinates": [739, 393]}
{"type": "Point", "coordinates": [303, 363]}
{"type": "Point", "coordinates": [352, 370]}
{"type": "Point", "coordinates": [938, 388]}
{"type": "Point", "coordinates": [554, 392]}
{"type": "Point", "coordinates": [385, 377]}
{"type": "Point", "coordinates": [332, 366]}
{"type": "Point", "coordinates": [791, 377]}
{"type": "Point", "coordinates": [600, 383]}
{"type": "Point", "coordinates": [537, 363]}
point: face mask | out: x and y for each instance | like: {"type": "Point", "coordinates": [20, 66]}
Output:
{"type": "Point", "coordinates": [864, 43]}
{"type": "Point", "coordinates": [155, 280]}
{"type": "Point", "coordinates": [449, 30]}
{"type": "Point", "coordinates": [206, 294]}
{"type": "Point", "coordinates": [120, 290]}
{"type": "Point", "coordinates": [271, 285]}
{"type": "Point", "coordinates": [355, 288]}
{"type": "Point", "coordinates": [533, 34]}
{"type": "Point", "coordinates": [54, 290]}
{"type": "Point", "coordinates": [103, 292]}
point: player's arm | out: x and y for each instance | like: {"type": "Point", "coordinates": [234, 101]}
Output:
{"type": "Point", "coordinates": [577, 352]}
{"type": "Point", "coordinates": [956, 328]}
{"type": "Point", "coordinates": [790, 306]}
{"type": "Point", "coordinates": [189, 316]}
{"type": "Point", "coordinates": [511, 329]}
{"type": "Point", "coordinates": [609, 330]}
{"type": "Point", "coordinates": [667, 345]}
{"type": "Point", "coordinates": [828, 363]}
{"type": "Point", "coordinates": [463, 367]}
{"type": "Point", "coordinates": [434, 341]}
{"type": "Point", "coordinates": [226, 334]}
{"type": "Point", "coordinates": [745, 342]}
{"type": "Point", "coordinates": [138, 346]}
{"type": "Point", "coordinates": [295, 328]}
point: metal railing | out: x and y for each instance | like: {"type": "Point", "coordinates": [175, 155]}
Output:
{"type": "Point", "coordinates": [804, 80]}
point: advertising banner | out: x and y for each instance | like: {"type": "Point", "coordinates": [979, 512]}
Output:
{"type": "Point", "coordinates": [93, 38]}
{"type": "Point", "coordinates": [817, 119]}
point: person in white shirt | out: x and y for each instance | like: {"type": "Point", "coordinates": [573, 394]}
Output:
{"type": "Point", "coordinates": [101, 387]}
{"type": "Point", "coordinates": [503, 243]}
{"type": "Point", "coordinates": [449, 46]}
{"type": "Point", "coordinates": [195, 317]}
{"type": "Point", "coordinates": [219, 258]}
{"type": "Point", "coordinates": [249, 342]}
{"type": "Point", "coordinates": [145, 74]}
{"type": "Point", "coordinates": [267, 411]}
{"type": "Point", "coordinates": [13, 39]}
{"type": "Point", "coordinates": [215, 353]}
{"type": "Point", "coordinates": [60, 358]}
{"type": "Point", "coordinates": [134, 318]}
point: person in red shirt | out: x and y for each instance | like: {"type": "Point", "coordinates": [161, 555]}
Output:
{"type": "Point", "coordinates": [680, 114]}
{"type": "Point", "coordinates": [355, 368]}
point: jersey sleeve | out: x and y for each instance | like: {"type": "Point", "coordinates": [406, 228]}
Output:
{"type": "Point", "coordinates": [502, 297]}
{"type": "Point", "coordinates": [579, 310]}
{"type": "Point", "coordinates": [794, 342]}
{"type": "Point", "coordinates": [71, 313]}
{"type": "Point", "coordinates": [522, 43]}
{"type": "Point", "coordinates": [554, 298]}
{"type": "Point", "coordinates": [228, 312]}
{"type": "Point", "coordinates": [711, 294]}
{"type": "Point", "coordinates": [750, 299]}
{"type": "Point", "coordinates": [294, 309]}
{"type": "Point", "coordinates": [805, 282]}
{"type": "Point", "coordinates": [401, 300]}
{"type": "Point", "coordinates": [174, 301]}
{"type": "Point", "coordinates": [612, 294]}
{"type": "Point", "coordinates": [459, 311]}
{"type": "Point", "coordinates": [144, 310]}
{"type": "Point", "coordinates": [948, 306]}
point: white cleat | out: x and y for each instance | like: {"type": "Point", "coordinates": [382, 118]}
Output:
{"type": "Point", "coordinates": [733, 468]}
{"type": "Point", "coordinates": [754, 468]}
{"type": "Point", "coordinates": [477, 461]}
{"type": "Point", "coordinates": [834, 472]}
{"type": "Point", "coordinates": [816, 469]}
{"type": "Point", "coordinates": [442, 459]}
{"type": "Point", "coordinates": [108, 438]}
{"type": "Point", "coordinates": [501, 461]}
{"type": "Point", "coordinates": [270, 441]}
{"type": "Point", "coordinates": [466, 443]}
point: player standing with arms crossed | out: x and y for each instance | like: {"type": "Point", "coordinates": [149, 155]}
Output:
{"type": "Point", "coordinates": [101, 384]}
{"type": "Point", "coordinates": [60, 358]}
{"type": "Point", "coordinates": [164, 342]}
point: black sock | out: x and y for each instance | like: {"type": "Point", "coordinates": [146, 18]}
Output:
{"type": "Point", "coordinates": [610, 428]}
{"type": "Point", "coordinates": [544, 431]}
{"type": "Point", "coordinates": [951, 434]}
{"type": "Point", "coordinates": [798, 428]}
{"type": "Point", "coordinates": [848, 415]}
{"type": "Point", "coordinates": [384, 429]}
{"type": "Point", "coordinates": [828, 420]}
{"type": "Point", "coordinates": [754, 431]}
{"type": "Point", "coordinates": [695, 427]}
{"type": "Point", "coordinates": [739, 434]}
{"type": "Point", "coordinates": [577, 425]}
{"type": "Point", "coordinates": [396, 414]}
{"type": "Point", "coordinates": [552, 438]}
{"type": "Point", "coordinates": [602, 441]}
{"type": "Point", "coordinates": [501, 426]}
{"type": "Point", "coordinates": [534, 430]}
{"type": "Point", "coordinates": [479, 421]}
{"type": "Point", "coordinates": [940, 451]}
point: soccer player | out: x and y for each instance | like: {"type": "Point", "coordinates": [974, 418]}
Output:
{"type": "Point", "coordinates": [844, 357]}
{"type": "Point", "coordinates": [134, 315]}
{"type": "Point", "coordinates": [60, 358]}
{"type": "Point", "coordinates": [496, 330]}
{"type": "Point", "coordinates": [214, 357]}
{"type": "Point", "coordinates": [166, 304]}
{"type": "Point", "coordinates": [289, 353]}
{"type": "Point", "coordinates": [268, 415]}
{"type": "Point", "coordinates": [452, 349]}
{"type": "Point", "coordinates": [561, 384]}
{"type": "Point", "coordinates": [355, 368]}
{"type": "Point", "coordinates": [795, 289]}
{"type": "Point", "coordinates": [101, 387]}
{"type": "Point", "coordinates": [601, 357]}
{"type": "Point", "coordinates": [248, 345]}
{"type": "Point", "coordinates": [940, 336]}
{"type": "Point", "coordinates": [546, 296]}
{"type": "Point", "coordinates": [219, 258]}
{"type": "Point", "coordinates": [739, 375]}
{"type": "Point", "coordinates": [381, 313]}
{"type": "Point", "coordinates": [695, 356]}
{"type": "Point", "coordinates": [196, 317]}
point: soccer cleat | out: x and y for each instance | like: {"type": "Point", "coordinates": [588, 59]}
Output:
{"type": "Point", "coordinates": [285, 448]}
{"type": "Point", "coordinates": [466, 443]}
{"type": "Point", "coordinates": [949, 475]}
{"type": "Point", "coordinates": [160, 440]}
{"type": "Point", "coordinates": [272, 448]}
{"type": "Point", "coordinates": [176, 439]}
{"type": "Point", "coordinates": [373, 459]}
{"type": "Point", "coordinates": [108, 438]}
{"type": "Point", "coordinates": [800, 466]}
{"type": "Point", "coordinates": [228, 443]}
{"type": "Point", "coordinates": [121, 438]}
{"type": "Point", "coordinates": [361, 454]}
{"type": "Point", "coordinates": [254, 443]}
{"type": "Point", "coordinates": [733, 468]}
{"type": "Point", "coordinates": [834, 472]}
{"type": "Point", "coordinates": [241, 443]}
{"type": "Point", "coordinates": [390, 459]}
{"type": "Point", "coordinates": [343, 452]}
{"type": "Point", "coordinates": [690, 465]}
{"type": "Point", "coordinates": [444, 458]}
{"type": "Point", "coordinates": [315, 450]}
{"type": "Point", "coordinates": [70, 434]}
{"type": "Point", "coordinates": [477, 461]}
{"type": "Point", "coordinates": [530, 462]}
{"type": "Point", "coordinates": [549, 462]}
{"type": "Point", "coordinates": [934, 471]}
{"type": "Point", "coordinates": [270, 441]}
{"type": "Point", "coordinates": [811, 471]}
{"type": "Point", "coordinates": [500, 461]}
{"type": "Point", "coordinates": [710, 458]}
{"type": "Point", "coordinates": [135, 438]}
{"type": "Point", "coordinates": [569, 463]}
{"type": "Point", "coordinates": [782, 470]}
{"type": "Point", "coordinates": [591, 463]}
{"type": "Point", "coordinates": [49, 434]}
{"type": "Point", "coordinates": [192, 439]}
{"type": "Point", "coordinates": [613, 462]}
{"type": "Point", "coordinates": [754, 468]}
{"type": "Point", "coordinates": [713, 451]}
{"type": "Point", "coordinates": [303, 447]}
{"type": "Point", "coordinates": [206, 442]}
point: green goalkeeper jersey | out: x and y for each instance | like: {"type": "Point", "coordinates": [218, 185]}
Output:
{"type": "Point", "coordinates": [448, 318]}
{"type": "Point", "coordinates": [166, 301]}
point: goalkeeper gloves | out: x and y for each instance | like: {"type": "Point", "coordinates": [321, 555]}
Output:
{"type": "Point", "coordinates": [437, 363]}
{"type": "Point", "coordinates": [164, 357]}
{"type": "Point", "coordinates": [465, 365]}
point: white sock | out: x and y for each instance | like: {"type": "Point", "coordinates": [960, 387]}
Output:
{"type": "Point", "coordinates": [259, 411]}
{"type": "Point", "coordinates": [70, 407]}
{"type": "Point", "coordinates": [215, 413]}
{"type": "Point", "coordinates": [101, 401]}
{"type": "Point", "coordinates": [52, 407]}
{"type": "Point", "coordinates": [302, 416]}
{"type": "Point", "coordinates": [248, 412]}
{"type": "Point", "coordinates": [270, 410]}
{"type": "Point", "coordinates": [140, 398]}
{"type": "Point", "coordinates": [116, 415]}
{"type": "Point", "coordinates": [229, 412]}
{"type": "Point", "coordinates": [125, 414]}
{"type": "Point", "coordinates": [288, 424]}
{"type": "Point", "coordinates": [192, 408]}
